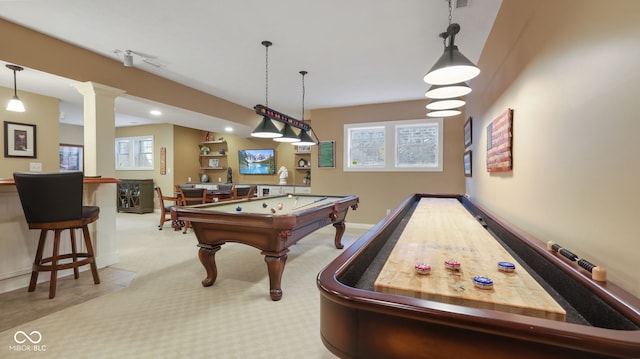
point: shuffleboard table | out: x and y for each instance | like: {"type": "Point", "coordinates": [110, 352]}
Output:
{"type": "Point", "coordinates": [369, 311]}
{"type": "Point", "coordinates": [271, 224]}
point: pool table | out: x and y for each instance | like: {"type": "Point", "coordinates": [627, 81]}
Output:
{"type": "Point", "coordinates": [356, 321]}
{"type": "Point", "coordinates": [270, 224]}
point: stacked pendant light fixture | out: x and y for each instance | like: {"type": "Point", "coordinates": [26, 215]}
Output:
{"type": "Point", "coordinates": [267, 129]}
{"type": "Point", "coordinates": [448, 77]}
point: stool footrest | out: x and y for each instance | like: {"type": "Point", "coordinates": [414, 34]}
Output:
{"type": "Point", "coordinates": [62, 266]}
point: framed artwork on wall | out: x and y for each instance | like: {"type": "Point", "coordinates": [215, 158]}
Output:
{"type": "Point", "coordinates": [466, 159]}
{"type": "Point", "coordinates": [71, 158]}
{"type": "Point", "coordinates": [19, 140]}
{"type": "Point", "coordinates": [500, 142]}
{"type": "Point", "coordinates": [303, 149]}
{"type": "Point", "coordinates": [468, 138]}
{"type": "Point", "coordinates": [327, 154]}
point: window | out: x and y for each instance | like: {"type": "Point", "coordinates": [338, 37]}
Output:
{"type": "Point", "coordinates": [134, 153]}
{"type": "Point", "coordinates": [413, 145]}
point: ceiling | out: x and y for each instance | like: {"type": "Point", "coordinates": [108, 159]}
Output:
{"type": "Point", "coordinates": [356, 52]}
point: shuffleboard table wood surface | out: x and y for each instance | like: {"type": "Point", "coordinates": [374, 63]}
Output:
{"type": "Point", "coordinates": [442, 229]}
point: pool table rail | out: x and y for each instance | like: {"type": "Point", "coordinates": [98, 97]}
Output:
{"type": "Point", "coordinates": [271, 233]}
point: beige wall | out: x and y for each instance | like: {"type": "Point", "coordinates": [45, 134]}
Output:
{"type": "Point", "coordinates": [43, 112]}
{"type": "Point", "coordinates": [380, 191]}
{"type": "Point", "coordinates": [71, 134]}
{"type": "Point", "coordinates": [569, 71]}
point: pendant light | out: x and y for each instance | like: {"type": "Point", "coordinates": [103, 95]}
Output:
{"type": "Point", "coordinates": [15, 104]}
{"type": "Point", "coordinates": [288, 135]}
{"type": "Point", "coordinates": [445, 104]}
{"type": "Point", "coordinates": [448, 91]}
{"type": "Point", "coordinates": [305, 138]}
{"type": "Point", "coordinates": [453, 66]}
{"type": "Point", "coordinates": [266, 128]}
{"type": "Point", "coordinates": [444, 113]}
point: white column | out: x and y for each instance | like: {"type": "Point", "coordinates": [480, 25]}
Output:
{"type": "Point", "coordinates": [99, 160]}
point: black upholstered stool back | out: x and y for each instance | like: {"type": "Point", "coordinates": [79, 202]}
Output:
{"type": "Point", "coordinates": [50, 197]}
{"type": "Point", "coordinates": [53, 202]}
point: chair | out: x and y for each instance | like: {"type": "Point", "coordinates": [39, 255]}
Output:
{"type": "Point", "coordinates": [191, 196]}
{"type": "Point", "coordinates": [53, 202]}
{"type": "Point", "coordinates": [245, 192]}
{"type": "Point", "coordinates": [165, 210]}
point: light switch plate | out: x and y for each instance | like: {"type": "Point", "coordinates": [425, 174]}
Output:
{"type": "Point", "coordinates": [35, 166]}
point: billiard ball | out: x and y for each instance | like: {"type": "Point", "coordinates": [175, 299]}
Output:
{"type": "Point", "coordinates": [264, 205]}
{"type": "Point", "coordinates": [273, 210]}
{"type": "Point", "coordinates": [238, 208]}
{"type": "Point", "coordinates": [280, 205]}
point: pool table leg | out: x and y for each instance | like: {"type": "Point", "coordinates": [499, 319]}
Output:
{"type": "Point", "coordinates": [207, 256]}
{"type": "Point", "coordinates": [275, 267]}
{"type": "Point", "coordinates": [340, 227]}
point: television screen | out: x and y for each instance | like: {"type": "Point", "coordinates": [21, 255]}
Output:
{"type": "Point", "coordinates": [257, 162]}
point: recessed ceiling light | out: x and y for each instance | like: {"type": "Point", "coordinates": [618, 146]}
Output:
{"type": "Point", "coordinates": [155, 112]}
{"type": "Point", "coordinates": [228, 129]}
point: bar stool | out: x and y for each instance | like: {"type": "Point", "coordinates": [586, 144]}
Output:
{"type": "Point", "coordinates": [53, 201]}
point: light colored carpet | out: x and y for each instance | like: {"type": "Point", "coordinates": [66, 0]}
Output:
{"type": "Point", "coordinates": [166, 313]}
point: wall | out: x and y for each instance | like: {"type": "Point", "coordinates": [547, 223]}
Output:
{"type": "Point", "coordinates": [284, 157]}
{"type": "Point", "coordinates": [568, 69]}
{"type": "Point", "coordinates": [43, 112]}
{"type": "Point", "coordinates": [380, 191]}
{"type": "Point", "coordinates": [71, 134]}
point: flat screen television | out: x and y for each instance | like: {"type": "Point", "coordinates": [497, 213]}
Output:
{"type": "Point", "coordinates": [257, 162]}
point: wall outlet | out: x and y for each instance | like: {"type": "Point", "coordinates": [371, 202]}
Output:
{"type": "Point", "coordinates": [35, 166]}
{"type": "Point", "coordinates": [388, 211]}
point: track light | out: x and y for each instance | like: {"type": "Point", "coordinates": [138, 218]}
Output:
{"type": "Point", "coordinates": [15, 104]}
{"type": "Point", "coordinates": [127, 59]}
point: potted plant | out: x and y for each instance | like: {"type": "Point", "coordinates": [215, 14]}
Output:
{"type": "Point", "coordinates": [205, 150]}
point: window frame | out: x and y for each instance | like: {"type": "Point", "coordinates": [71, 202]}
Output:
{"type": "Point", "coordinates": [131, 160]}
{"type": "Point", "coordinates": [391, 148]}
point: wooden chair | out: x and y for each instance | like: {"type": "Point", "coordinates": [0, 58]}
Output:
{"type": "Point", "coordinates": [191, 196]}
{"type": "Point", "coordinates": [245, 192]}
{"type": "Point", "coordinates": [53, 202]}
{"type": "Point", "coordinates": [165, 210]}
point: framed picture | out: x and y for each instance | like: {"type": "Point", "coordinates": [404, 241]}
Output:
{"type": "Point", "coordinates": [467, 164]}
{"type": "Point", "coordinates": [303, 149]}
{"type": "Point", "coordinates": [71, 158]}
{"type": "Point", "coordinates": [327, 154]}
{"type": "Point", "coordinates": [214, 163]}
{"type": "Point", "coordinates": [499, 143]}
{"type": "Point", "coordinates": [19, 140]}
{"type": "Point", "coordinates": [468, 138]}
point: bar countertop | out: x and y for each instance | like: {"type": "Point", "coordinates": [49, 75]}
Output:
{"type": "Point", "coordinates": [86, 180]}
